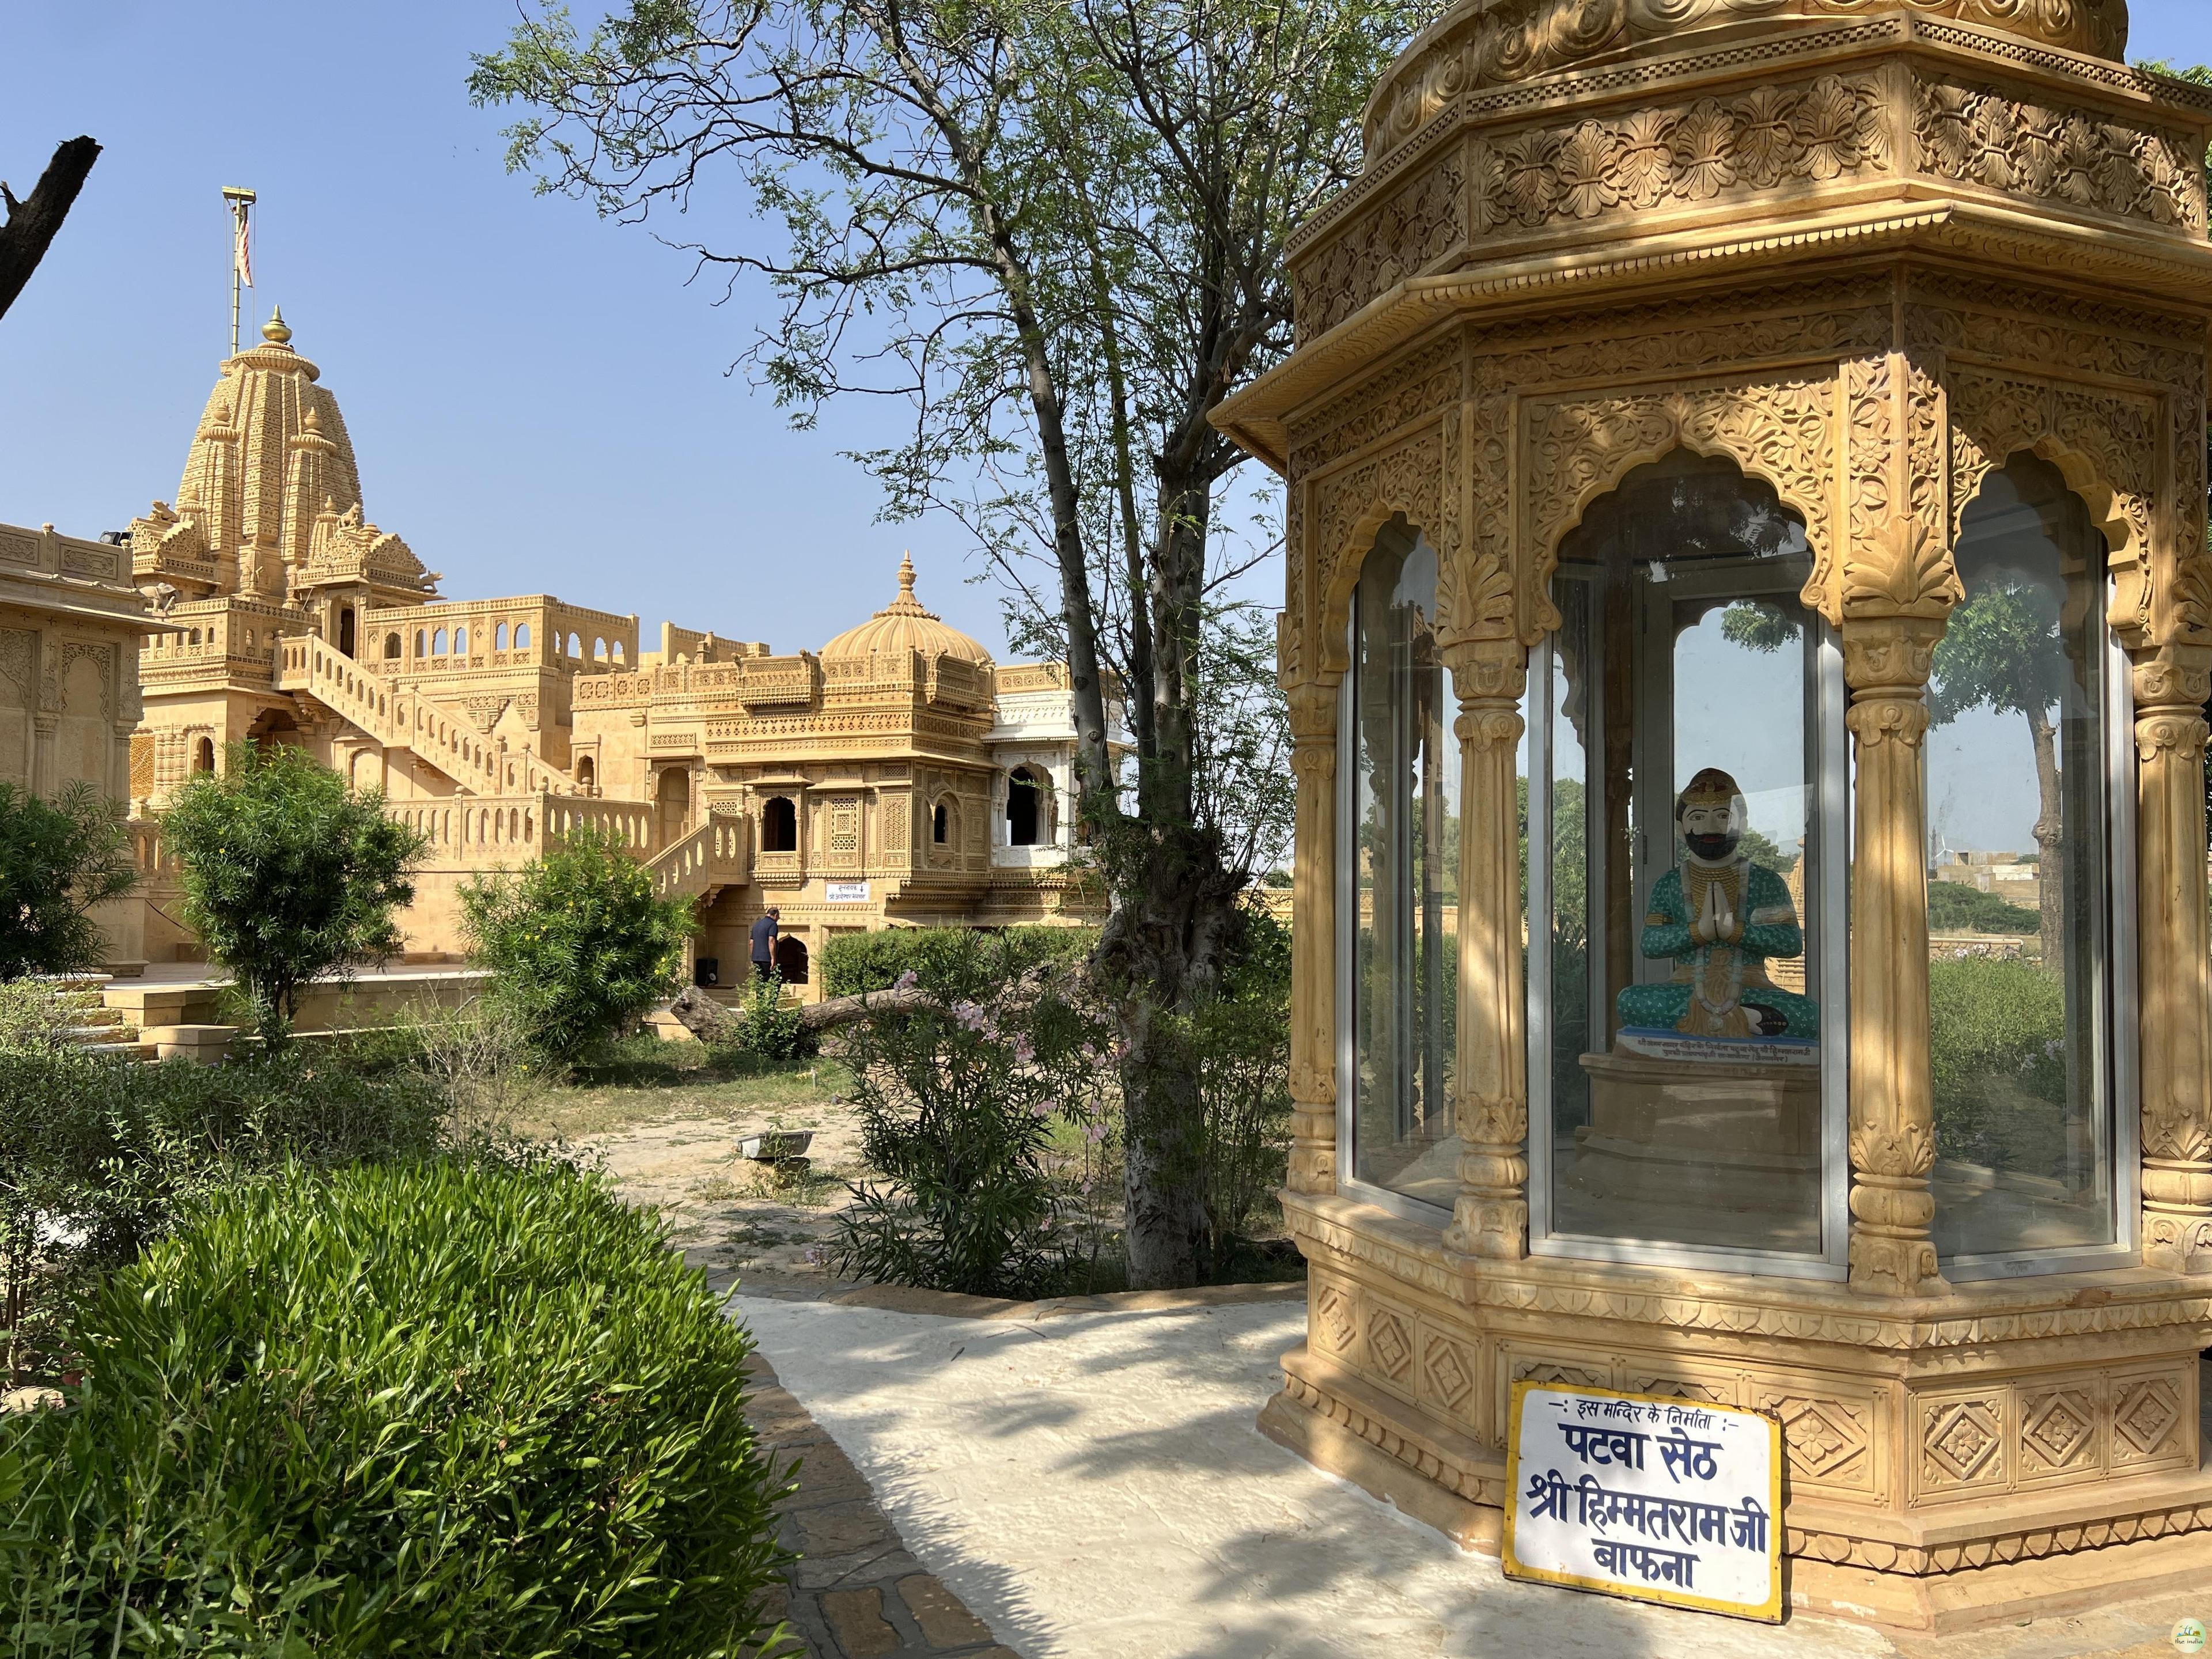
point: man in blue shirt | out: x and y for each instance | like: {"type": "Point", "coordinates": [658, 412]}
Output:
{"type": "Point", "coordinates": [764, 933]}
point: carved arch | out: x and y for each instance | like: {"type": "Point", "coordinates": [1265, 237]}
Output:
{"type": "Point", "coordinates": [1782, 432]}
{"type": "Point", "coordinates": [2106, 446]}
{"type": "Point", "coordinates": [1409, 480]}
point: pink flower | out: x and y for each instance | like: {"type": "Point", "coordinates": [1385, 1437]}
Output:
{"type": "Point", "coordinates": [1024, 1052]}
{"type": "Point", "coordinates": [1095, 1133]}
{"type": "Point", "coordinates": [907, 980]}
{"type": "Point", "coordinates": [1040, 1109]}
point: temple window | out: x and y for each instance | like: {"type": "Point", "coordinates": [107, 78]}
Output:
{"type": "Point", "coordinates": [522, 636]}
{"type": "Point", "coordinates": [586, 775]}
{"type": "Point", "coordinates": [618, 650]}
{"type": "Point", "coordinates": [1403, 804]}
{"type": "Point", "coordinates": [779, 825]}
{"type": "Point", "coordinates": [940, 823]}
{"type": "Point", "coordinates": [1684, 766]}
{"type": "Point", "coordinates": [1025, 807]}
{"type": "Point", "coordinates": [203, 755]}
{"type": "Point", "coordinates": [346, 630]}
{"type": "Point", "coordinates": [392, 647]}
{"type": "Point", "coordinates": [2025, 701]}
{"type": "Point", "coordinates": [576, 645]}
{"type": "Point", "coordinates": [499, 637]}
{"type": "Point", "coordinates": [438, 643]}
{"type": "Point", "coordinates": [422, 643]}
{"type": "Point", "coordinates": [460, 641]}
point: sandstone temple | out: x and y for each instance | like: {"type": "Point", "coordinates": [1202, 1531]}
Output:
{"type": "Point", "coordinates": [896, 777]}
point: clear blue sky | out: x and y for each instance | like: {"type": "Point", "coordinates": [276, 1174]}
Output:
{"type": "Point", "coordinates": [538, 401]}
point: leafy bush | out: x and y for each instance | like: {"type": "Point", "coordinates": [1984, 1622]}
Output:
{"type": "Point", "coordinates": [57, 862]}
{"type": "Point", "coordinates": [770, 1030]}
{"type": "Point", "coordinates": [958, 1107]}
{"type": "Point", "coordinates": [1955, 907]}
{"type": "Point", "coordinates": [579, 943]}
{"type": "Point", "coordinates": [288, 876]}
{"type": "Point", "coordinates": [98, 1157]}
{"type": "Point", "coordinates": [430, 1408]}
{"type": "Point", "coordinates": [1997, 1041]}
{"type": "Point", "coordinates": [33, 1019]}
{"type": "Point", "coordinates": [943, 959]}
{"type": "Point", "coordinates": [1243, 1040]}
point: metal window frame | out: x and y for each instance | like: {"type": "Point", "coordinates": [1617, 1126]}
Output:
{"type": "Point", "coordinates": [2117, 970]}
{"type": "Point", "coordinates": [1831, 768]}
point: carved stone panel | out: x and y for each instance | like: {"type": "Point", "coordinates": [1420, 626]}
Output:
{"type": "Point", "coordinates": [1961, 1440]}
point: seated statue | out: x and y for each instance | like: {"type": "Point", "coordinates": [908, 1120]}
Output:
{"type": "Point", "coordinates": [1721, 918]}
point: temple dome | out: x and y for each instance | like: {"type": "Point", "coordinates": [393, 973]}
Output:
{"type": "Point", "coordinates": [1493, 42]}
{"type": "Point", "coordinates": [902, 626]}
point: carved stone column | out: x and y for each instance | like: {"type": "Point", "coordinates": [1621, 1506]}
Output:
{"type": "Point", "coordinates": [1313, 942]}
{"type": "Point", "coordinates": [45, 779]}
{"type": "Point", "coordinates": [1490, 1218]}
{"type": "Point", "coordinates": [1886, 662]}
{"type": "Point", "coordinates": [2174, 991]}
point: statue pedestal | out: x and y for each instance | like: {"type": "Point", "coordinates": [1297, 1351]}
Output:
{"type": "Point", "coordinates": [1723, 1134]}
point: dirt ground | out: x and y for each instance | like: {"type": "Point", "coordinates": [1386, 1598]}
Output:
{"type": "Point", "coordinates": [667, 1128]}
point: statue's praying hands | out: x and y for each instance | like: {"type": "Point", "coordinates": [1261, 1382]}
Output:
{"type": "Point", "coordinates": [1716, 921]}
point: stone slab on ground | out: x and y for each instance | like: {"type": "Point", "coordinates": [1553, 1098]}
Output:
{"type": "Point", "coordinates": [1093, 1486]}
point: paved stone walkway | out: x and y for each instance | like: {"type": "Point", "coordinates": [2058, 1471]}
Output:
{"type": "Point", "coordinates": [1092, 1485]}
{"type": "Point", "coordinates": [856, 1593]}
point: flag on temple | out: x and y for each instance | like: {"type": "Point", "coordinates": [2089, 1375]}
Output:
{"type": "Point", "coordinates": [242, 254]}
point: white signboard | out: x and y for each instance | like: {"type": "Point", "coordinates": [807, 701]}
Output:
{"type": "Point", "coordinates": [1659, 1500]}
{"type": "Point", "coordinates": [848, 892]}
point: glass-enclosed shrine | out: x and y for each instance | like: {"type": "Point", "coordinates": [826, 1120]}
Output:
{"type": "Point", "coordinates": [1684, 786]}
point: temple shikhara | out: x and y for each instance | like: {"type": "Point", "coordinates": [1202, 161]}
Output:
{"type": "Point", "coordinates": [896, 777]}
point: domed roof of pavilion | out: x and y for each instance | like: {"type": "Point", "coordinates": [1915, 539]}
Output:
{"type": "Point", "coordinates": [902, 626]}
{"type": "Point", "coordinates": [1493, 42]}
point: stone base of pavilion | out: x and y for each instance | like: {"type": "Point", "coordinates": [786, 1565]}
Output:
{"type": "Point", "coordinates": [2003, 1451]}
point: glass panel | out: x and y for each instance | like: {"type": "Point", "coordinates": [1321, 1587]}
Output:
{"type": "Point", "coordinates": [1406, 902]}
{"type": "Point", "coordinates": [2016, 896]}
{"type": "Point", "coordinates": [1683, 1082]}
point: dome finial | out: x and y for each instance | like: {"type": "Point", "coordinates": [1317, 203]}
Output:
{"type": "Point", "coordinates": [276, 330]}
{"type": "Point", "coordinates": [906, 576]}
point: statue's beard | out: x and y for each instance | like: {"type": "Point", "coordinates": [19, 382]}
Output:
{"type": "Point", "coordinates": [1712, 849]}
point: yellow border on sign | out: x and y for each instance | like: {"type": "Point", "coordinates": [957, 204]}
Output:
{"type": "Point", "coordinates": [1770, 1613]}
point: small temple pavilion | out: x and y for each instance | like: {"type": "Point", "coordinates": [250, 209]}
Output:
{"type": "Point", "coordinates": [1744, 456]}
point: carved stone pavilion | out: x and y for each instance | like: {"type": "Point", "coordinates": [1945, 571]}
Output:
{"type": "Point", "coordinates": [1812, 391]}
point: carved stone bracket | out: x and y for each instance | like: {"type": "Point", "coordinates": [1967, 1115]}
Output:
{"type": "Point", "coordinates": [2172, 686]}
{"type": "Point", "coordinates": [1490, 1218]}
{"type": "Point", "coordinates": [1886, 662]}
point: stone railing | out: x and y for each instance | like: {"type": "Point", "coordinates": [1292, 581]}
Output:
{"type": "Point", "coordinates": [715, 855]}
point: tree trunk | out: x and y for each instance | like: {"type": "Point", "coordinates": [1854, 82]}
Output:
{"type": "Point", "coordinates": [2050, 846]}
{"type": "Point", "coordinates": [32, 225]}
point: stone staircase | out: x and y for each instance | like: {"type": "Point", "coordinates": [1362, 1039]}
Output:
{"type": "Point", "coordinates": [717, 853]}
{"type": "Point", "coordinates": [428, 727]}
{"type": "Point", "coordinates": [93, 1024]}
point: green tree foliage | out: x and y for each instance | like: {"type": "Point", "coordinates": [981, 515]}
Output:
{"type": "Point", "coordinates": [1058, 230]}
{"type": "Point", "coordinates": [290, 876]}
{"type": "Point", "coordinates": [943, 959]}
{"type": "Point", "coordinates": [773, 1030]}
{"type": "Point", "coordinates": [579, 943]}
{"type": "Point", "coordinates": [433, 1408]}
{"type": "Point", "coordinates": [57, 862]}
{"type": "Point", "coordinates": [1955, 907]}
{"type": "Point", "coordinates": [1242, 1039]}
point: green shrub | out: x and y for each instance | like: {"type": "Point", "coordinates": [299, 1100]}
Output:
{"type": "Point", "coordinates": [33, 1019]}
{"type": "Point", "coordinates": [942, 959]}
{"type": "Point", "coordinates": [1241, 1039]}
{"type": "Point", "coordinates": [1997, 1045]}
{"type": "Point", "coordinates": [1955, 907]}
{"type": "Point", "coordinates": [579, 943]}
{"type": "Point", "coordinates": [57, 861]}
{"type": "Point", "coordinates": [770, 1029]}
{"type": "Point", "coordinates": [958, 1107]}
{"type": "Point", "coordinates": [431, 1408]}
{"type": "Point", "coordinates": [97, 1158]}
{"type": "Point", "coordinates": [288, 876]}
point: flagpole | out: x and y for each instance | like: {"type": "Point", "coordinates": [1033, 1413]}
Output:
{"type": "Point", "coordinates": [241, 204]}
